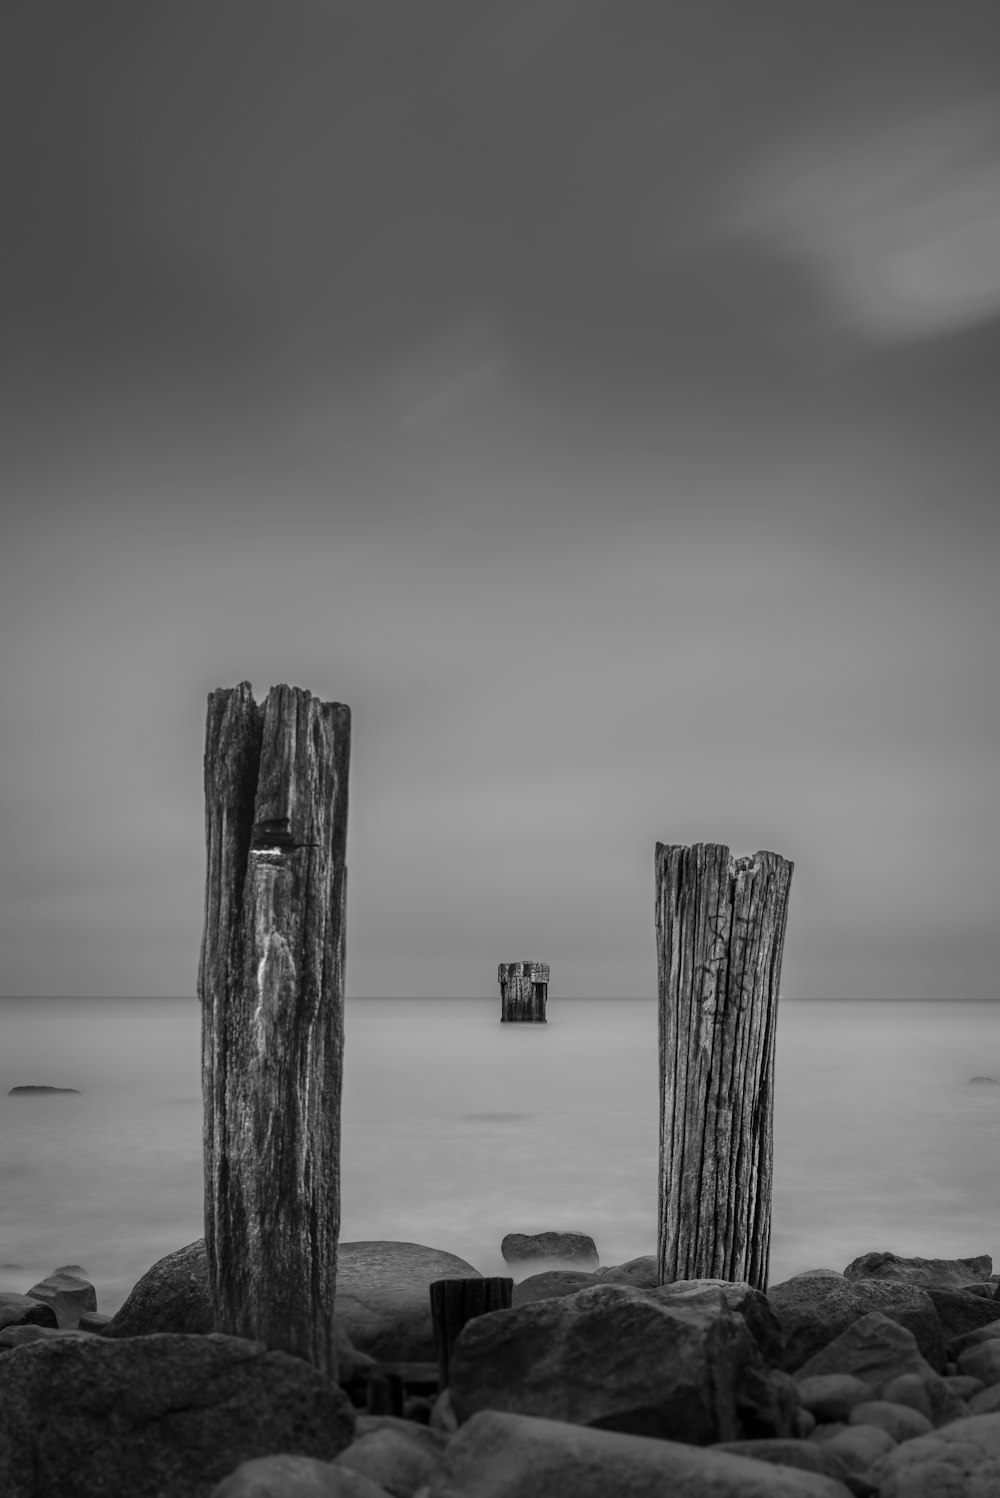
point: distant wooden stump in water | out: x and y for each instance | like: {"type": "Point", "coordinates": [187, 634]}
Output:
{"type": "Point", "coordinates": [455, 1302]}
{"type": "Point", "coordinates": [524, 988]}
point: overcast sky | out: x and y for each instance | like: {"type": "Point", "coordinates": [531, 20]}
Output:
{"type": "Point", "coordinates": [600, 397]}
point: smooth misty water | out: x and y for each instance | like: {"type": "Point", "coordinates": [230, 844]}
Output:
{"type": "Point", "coordinates": [458, 1129]}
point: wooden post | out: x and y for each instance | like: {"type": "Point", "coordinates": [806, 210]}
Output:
{"type": "Point", "coordinates": [454, 1302]}
{"type": "Point", "coordinates": [720, 930]}
{"type": "Point", "coordinates": [271, 984]}
{"type": "Point", "coordinates": [524, 988]}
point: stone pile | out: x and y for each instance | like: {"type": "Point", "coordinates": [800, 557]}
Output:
{"type": "Point", "coordinates": [880, 1382]}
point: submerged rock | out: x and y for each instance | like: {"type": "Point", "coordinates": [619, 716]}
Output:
{"type": "Point", "coordinates": [383, 1298]}
{"type": "Point", "coordinates": [69, 1295]}
{"type": "Point", "coordinates": [32, 1087]}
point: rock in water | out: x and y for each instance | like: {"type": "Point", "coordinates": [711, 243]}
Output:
{"type": "Point", "coordinates": [24, 1310]}
{"type": "Point", "coordinates": [69, 1295]}
{"type": "Point", "coordinates": [571, 1250]}
{"type": "Point", "coordinates": [622, 1359]}
{"type": "Point", "coordinates": [383, 1298]}
{"type": "Point", "coordinates": [941, 1274]}
{"type": "Point", "coordinates": [156, 1415]}
{"type": "Point", "coordinates": [173, 1296]}
{"type": "Point", "coordinates": [32, 1088]}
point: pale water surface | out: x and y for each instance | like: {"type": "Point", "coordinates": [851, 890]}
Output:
{"type": "Point", "coordinates": [458, 1129]}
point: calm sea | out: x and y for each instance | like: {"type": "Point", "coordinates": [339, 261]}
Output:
{"type": "Point", "coordinates": [457, 1130]}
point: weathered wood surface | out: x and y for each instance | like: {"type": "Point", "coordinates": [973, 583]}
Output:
{"type": "Point", "coordinates": [524, 989]}
{"type": "Point", "coordinates": [720, 930]}
{"type": "Point", "coordinates": [455, 1302]}
{"type": "Point", "coordinates": [271, 984]}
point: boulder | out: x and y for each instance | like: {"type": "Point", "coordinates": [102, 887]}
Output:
{"type": "Point", "coordinates": [398, 1454]}
{"type": "Point", "coordinates": [24, 1310]}
{"type": "Point", "coordinates": [287, 1476]}
{"type": "Point", "coordinates": [901, 1421]}
{"type": "Point", "coordinates": [503, 1455]}
{"type": "Point", "coordinates": [157, 1414]}
{"type": "Point", "coordinates": [744, 1300]}
{"type": "Point", "coordinates": [69, 1295]}
{"type": "Point", "coordinates": [576, 1250]}
{"type": "Point", "coordinates": [93, 1321]}
{"type": "Point", "coordinates": [173, 1296]}
{"type": "Point", "coordinates": [878, 1350]}
{"type": "Point", "coordinates": [943, 1274]}
{"type": "Point", "coordinates": [962, 1460]}
{"type": "Point", "coordinates": [813, 1310]}
{"type": "Point", "coordinates": [639, 1272]}
{"type": "Point", "coordinates": [958, 1345]}
{"type": "Point", "coordinates": [615, 1357]}
{"type": "Point", "coordinates": [961, 1311]}
{"type": "Point", "coordinates": [383, 1299]}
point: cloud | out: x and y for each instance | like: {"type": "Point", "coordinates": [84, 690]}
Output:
{"type": "Point", "coordinates": [900, 220]}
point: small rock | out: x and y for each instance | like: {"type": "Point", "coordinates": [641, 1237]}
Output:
{"type": "Point", "coordinates": [93, 1321]}
{"type": "Point", "coordinates": [550, 1283]}
{"type": "Point", "coordinates": [960, 1459]}
{"type": "Point", "coordinates": [987, 1333]}
{"type": "Point", "coordinates": [398, 1454]}
{"type": "Point", "coordinates": [982, 1361]}
{"type": "Point", "coordinates": [576, 1249]}
{"type": "Point", "coordinates": [832, 1396]}
{"type": "Point", "coordinates": [640, 1272]}
{"type": "Point", "coordinates": [901, 1421]}
{"type": "Point", "coordinates": [993, 1081]}
{"type": "Point", "coordinates": [984, 1401]}
{"type": "Point", "coordinates": [67, 1294]}
{"type": "Point", "coordinates": [24, 1310]}
{"type": "Point", "coordinates": [964, 1386]}
{"type": "Point", "coordinates": [860, 1445]}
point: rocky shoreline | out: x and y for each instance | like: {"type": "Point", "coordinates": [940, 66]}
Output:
{"type": "Point", "coordinates": [881, 1381]}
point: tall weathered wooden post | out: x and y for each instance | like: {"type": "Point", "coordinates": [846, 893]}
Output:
{"type": "Point", "coordinates": [271, 984]}
{"type": "Point", "coordinates": [524, 988]}
{"type": "Point", "coordinates": [720, 931]}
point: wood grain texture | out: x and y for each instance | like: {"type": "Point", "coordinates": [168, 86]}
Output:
{"type": "Point", "coordinates": [720, 930]}
{"type": "Point", "coordinates": [524, 990]}
{"type": "Point", "coordinates": [456, 1302]}
{"type": "Point", "coordinates": [271, 984]}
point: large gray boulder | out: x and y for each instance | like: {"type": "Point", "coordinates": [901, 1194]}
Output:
{"type": "Point", "coordinates": [639, 1361]}
{"type": "Point", "coordinates": [173, 1296]}
{"type": "Point", "coordinates": [960, 1311]}
{"type": "Point", "coordinates": [943, 1274]}
{"type": "Point", "coordinates": [383, 1296]}
{"type": "Point", "coordinates": [961, 1460]}
{"type": "Point", "coordinates": [813, 1310]}
{"type": "Point", "coordinates": [877, 1350]}
{"type": "Point", "coordinates": [503, 1455]}
{"type": "Point", "coordinates": [161, 1414]}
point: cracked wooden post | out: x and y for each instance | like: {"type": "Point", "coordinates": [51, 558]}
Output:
{"type": "Point", "coordinates": [271, 985]}
{"type": "Point", "coordinates": [720, 931]}
{"type": "Point", "coordinates": [524, 988]}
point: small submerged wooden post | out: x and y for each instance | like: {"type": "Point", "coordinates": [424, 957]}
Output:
{"type": "Point", "coordinates": [720, 931]}
{"type": "Point", "coordinates": [271, 984]}
{"type": "Point", "coordinates": [524, 988]}
{"type": "Point", "coordinates": [456, 1302]}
